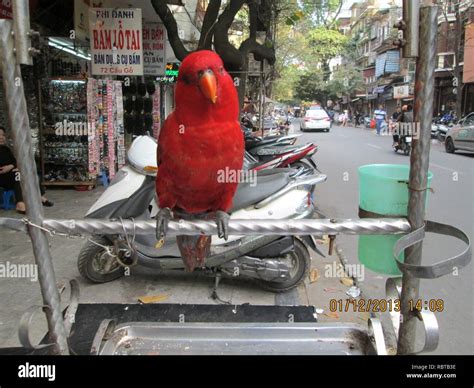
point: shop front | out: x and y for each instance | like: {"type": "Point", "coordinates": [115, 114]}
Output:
{"type": "Point", "coordinates": [89, 95]}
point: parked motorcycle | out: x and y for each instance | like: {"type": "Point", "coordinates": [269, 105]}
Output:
{"type": "Point", "coordinates": [278, 263]}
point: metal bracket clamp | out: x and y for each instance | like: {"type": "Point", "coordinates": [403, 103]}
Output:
{"type": "Point", "coordinates": [393, 290]}
{"type": "Point", "coordinates": [69, 316]}
{"type": "Point", "coordinates": [441, 268]}
{"type": "Point", "coordinates": [24, 328]}
{"type": "Point", "coordinates": [376, 331]}
{"type": "Point", "coordinates": [70, 313]}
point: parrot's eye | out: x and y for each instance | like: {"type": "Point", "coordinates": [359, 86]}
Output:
{"type": "Point", "coordinates": [186, 80]}
{"type": "Point", "coordinates": [200, 73]}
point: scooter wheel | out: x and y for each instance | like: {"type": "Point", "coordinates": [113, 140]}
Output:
{"type": "Point", "coordinates": [301, 263]}
{"type": "Point", "coordinates": [95, 264]}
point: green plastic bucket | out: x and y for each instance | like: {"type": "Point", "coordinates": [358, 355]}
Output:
{"type": "Point", "coordinates": [383, 189]}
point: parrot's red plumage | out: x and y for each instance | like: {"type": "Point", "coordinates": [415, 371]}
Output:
{"type": "Point", "coordinates": [198, 142]}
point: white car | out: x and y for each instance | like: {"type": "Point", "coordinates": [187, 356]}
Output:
{"type": "Point", "coordinates": [316, 119]}
{"type": "Point", "coordinates": [461, 136]}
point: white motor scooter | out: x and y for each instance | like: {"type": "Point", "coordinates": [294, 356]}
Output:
{"type": "Point", "coordinates": [279, 263]}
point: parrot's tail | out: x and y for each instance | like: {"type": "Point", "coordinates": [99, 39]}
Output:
{"type": "Point", "coordinates": [194, 250]}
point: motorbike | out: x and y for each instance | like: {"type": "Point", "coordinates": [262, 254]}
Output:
{"type": "Point", "coordinates": [272, 147]}
{"type": "Point", "coordinates": [404, 144]}
{"type": "Point", "coordinates": [277, 263]}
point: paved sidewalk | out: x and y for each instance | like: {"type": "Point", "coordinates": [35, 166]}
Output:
{"type": "Point", "coordinates": [18, 294]}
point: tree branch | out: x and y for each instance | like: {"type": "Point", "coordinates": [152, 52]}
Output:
{"type": "Point", "coordinates": [251, 45]}
{"type": "Point", "coordinates": [210, 18]}
{"type": "Point", "coordinates": [169, 21]}
{"type": "Point", "coordinates": [259, 51]}
{"type": "Point", "coordinates": [229, 54]}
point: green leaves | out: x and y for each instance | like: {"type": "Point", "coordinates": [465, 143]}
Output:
{"type": "Point", "coordinates": [295, 17]}
{"type": "Point", "coordinates": [326, 43]}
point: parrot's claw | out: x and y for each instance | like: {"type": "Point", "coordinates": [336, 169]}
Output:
{"type": "Point", "coordinates": [222, 220]}
{"type": "Point", "coordinates": [162, 219]}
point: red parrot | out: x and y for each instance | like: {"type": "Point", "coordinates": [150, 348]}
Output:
{"type": "Point", "coordinates": [198, 142]}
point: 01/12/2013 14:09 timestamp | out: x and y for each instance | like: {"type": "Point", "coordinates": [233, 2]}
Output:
{"type": "Point", "coordinates": [383, 305]}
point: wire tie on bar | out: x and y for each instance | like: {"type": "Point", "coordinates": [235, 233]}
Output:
{"type": "Point", "coordinates": [29, 223]}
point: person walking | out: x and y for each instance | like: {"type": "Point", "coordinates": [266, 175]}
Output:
{"type": "Point", "coordinates": [380, 117]}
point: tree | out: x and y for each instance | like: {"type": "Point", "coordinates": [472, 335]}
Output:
{"type": "Point", "coordinates": [307, 39]}
{"type": "Point", "coordinates": [325, 44]}
{"type": "Point", "coordinates": [345, 81]}
{"type": "Point", "coordinates": [311, 87]}
{"type": "Point", "coordinates": [217, 22]}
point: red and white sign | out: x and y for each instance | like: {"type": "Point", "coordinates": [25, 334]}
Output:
{"type": "Point", "coordinates": [6, 9]}
{"type": "Point", "coordinates": [116, 41]}
{"type": "Point", "coordinates": [154, 43]}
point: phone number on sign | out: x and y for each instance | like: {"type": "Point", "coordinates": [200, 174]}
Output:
{"type": "Point", "coordinates": [383, 305]}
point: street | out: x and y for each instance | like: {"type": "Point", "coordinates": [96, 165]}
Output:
{"type": "Point", "coordinates": [341, 152]}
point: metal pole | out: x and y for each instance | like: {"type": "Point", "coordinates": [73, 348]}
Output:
{"type": "Point", "coordinates": [21, 27]}
{"type": "Point", "coordinates": [411, 18]}
{"type": "Point", "coordinates": [18, 116]}
{"type": "Point", "coordinates": [424, 92]}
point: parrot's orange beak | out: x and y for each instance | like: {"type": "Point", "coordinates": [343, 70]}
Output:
{"type": "Point", "coordinates": [208, 85]}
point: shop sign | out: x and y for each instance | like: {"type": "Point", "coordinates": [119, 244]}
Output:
{"type": "Point", "coordinates": [171, 73]}
{"type": "Point", "coordinates": [154, 42]}
{"type": "Point", "coordinates": [6, 9]}
{"type": "Point", "coordinates": [401, 91]}
{"type": "Point", "coordinates": [116, 41]}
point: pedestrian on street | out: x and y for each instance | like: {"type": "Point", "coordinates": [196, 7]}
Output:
{"type": "Point", "coordinates": [345, 117]}
{"type": "Point", "coordinates": [357, 119]}
{"type": "Point", "coordinates": [380, 117]}
{"type": "Point", "coordinates": [10, 176]}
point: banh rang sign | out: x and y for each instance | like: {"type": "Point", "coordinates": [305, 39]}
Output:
{"type": "Point", "coordinates": [116, 41]}
{"type": "Point", "coordinates": [154, 41]}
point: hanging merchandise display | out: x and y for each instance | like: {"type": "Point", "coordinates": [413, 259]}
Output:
{"type": "Point", "coordinates": [105, 115]}
{"type": "Point", "coordinates": [156, 111]}
{"type": "Point", "coordinates": [141, 103]}
{"type": "Point", "coordinates": [64, 156]}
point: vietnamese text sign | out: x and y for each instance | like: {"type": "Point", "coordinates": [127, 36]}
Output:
{"type": "Point", "coordinates": [116, 41]}
{"type": "Point", "coordinates": [154, 42]}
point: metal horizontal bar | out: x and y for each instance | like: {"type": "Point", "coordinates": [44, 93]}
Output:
{"type": "Point", "coordinates": [236, 227]}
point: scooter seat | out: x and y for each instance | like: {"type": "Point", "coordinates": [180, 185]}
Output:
{"type": "Point", "coordinates": [267, 183]}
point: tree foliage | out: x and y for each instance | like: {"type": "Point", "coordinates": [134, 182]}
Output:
{"type": "Point", "coordinates": [307, 40]}
{"type": "Point", "coordinates": [326, 44]}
